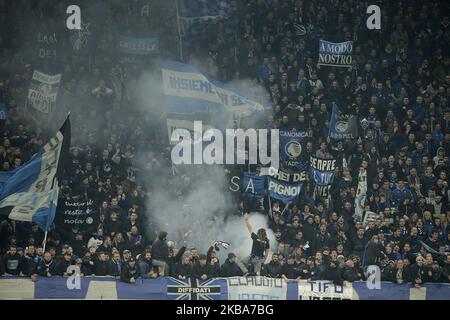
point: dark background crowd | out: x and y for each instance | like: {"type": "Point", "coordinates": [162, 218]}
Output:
{"type": "Point", "coordinates": [397, 86]}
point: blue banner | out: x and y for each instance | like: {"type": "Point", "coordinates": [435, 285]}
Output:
{"type": "Point", "coordinates": [285, 192]}
{"type": "Point", "coordinates": [342, 126]}
{"type": "Point", "coordinates": [137, 46]}
{"type": "Point", "coordinates": [323, 171]}
{"type": "Point", "coordinates": [253, 185]}
{"type": "Point", "coordinates": [188, 91]}
{"type": "Point", "coordinates": [30, 192]}
{"type": "Point", "coordinates": [292, 153]}
{"type": "Point", "coordinates": [166, 288]}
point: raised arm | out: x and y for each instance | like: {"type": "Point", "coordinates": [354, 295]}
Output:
{"type": "Point", "coordinates": [247, 223]}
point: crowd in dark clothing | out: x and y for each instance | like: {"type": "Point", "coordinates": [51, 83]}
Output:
{"type": "Point", "coordinates": [398, 87]}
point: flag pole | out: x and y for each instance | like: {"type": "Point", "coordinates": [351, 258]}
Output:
{"type": "Point", "coordinates": [180, 39]}
{"type": "Point", "coordinates": [270, 206]}
{"type": "Point", "coordinates": [44, 242]}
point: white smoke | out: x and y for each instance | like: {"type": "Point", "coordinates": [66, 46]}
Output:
{"type": "Point", "coordinates": [195, 205]}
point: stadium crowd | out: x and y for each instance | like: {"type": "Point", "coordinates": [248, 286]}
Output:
{"type": "Point", "coordinates": [398, 86]}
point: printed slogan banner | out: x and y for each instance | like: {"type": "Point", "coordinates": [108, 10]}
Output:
{"type": "Point", "coordinates": [342, 126]}
{"type": "Point", "coordinates": [259, 288]}
{"type": "Point", "coordinates": [323, 290]}
{"type": "Point", "coordinates": [137, 46]}
{"type": "Point", "coordinates": [323, 171]}
{"type": "Point", "coordinates": [43, 91]}
{"type": "Point", "coordinates": [189, 91]}
{"type": "Point", "coordinates": [74, 213]}
{"type": "Point", "coordinates": [193, 289]}
{"type": "Point", "coordinates": [335, 54]}
{"type": "Point", "coordinates": [256, 288]}
{"type": "Point", "coordinates": [30, 192]}
{"type": "Point", "coordinates": [285, 192]}
{"type": "Point", "coordinates": [291, 150]}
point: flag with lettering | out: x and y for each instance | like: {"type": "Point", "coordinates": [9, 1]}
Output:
{"type": "Point", "coordinates": [292, 151]}
{"type": "Point", "coordinates": [30, 192]}
{"type": "Point", "coordinates": [323, 171]}
{"type": "Point", "coordinates": [283, 191]}
{"type": "Point", "coordinates": [342, 126]}
{"type": "Point", "coordinates": [335, 54]}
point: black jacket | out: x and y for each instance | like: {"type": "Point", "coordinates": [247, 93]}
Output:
{"type": "Point", "coordinates": [100, 268]}
{"type": "Point", "coordinates": [289, 271]}
{"type": "Point", "coordinates": [127, 273]}
{"type": "Point", "coordinates": [173, 260]}
{"type": "Point", "coordinates": [160, 250]}
{"type": "Point", "coordinates": [272, 269]}
{"type": "Point", "coordinates": [44, 267]}
{"type": "Point", "coordinates": [229, 269]}
{"type": "Point", "coordinates": [145, 267]}
{"type": "Point", "coordinates": [181, 269]}
{"type": "Point", "coordinates": [114, 269]}
{"type": "Point", "coordinates": [373, 254]}
{"type": "Point", "coordinates": [28, 266]}
{"type": "Point", "coordinates": [199, 270]}
{"type": "Point", "coordinates": [350, 274]}
{"type": "Point", "coordinates": [61, 267]}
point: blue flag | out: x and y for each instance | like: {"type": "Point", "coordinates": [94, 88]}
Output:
{"type": "Point", "coordinates": [30, 192]}
{"type": "Point", "coordinates": [253, 185]}
{"type": "Point", "coordinates": [188, 91]}
{"type": "Point", "coordinates": [342, 126]}
{"type": "Point", "coordinates": [285, 192]}
{"type": "Point", "coordinates": [292, 153]}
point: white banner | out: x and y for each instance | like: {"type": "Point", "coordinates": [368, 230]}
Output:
{"type": "Point", "coordinates": [43, 91]}
{"type": "Point", "coordinates": [256, 288]}
{"type": "Point", "coordinates": [324, 290]}
{"type": "Point", "coordinates": [361, 193]}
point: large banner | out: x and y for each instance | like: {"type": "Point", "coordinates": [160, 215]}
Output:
{"type": "Point", "coordinates": [335, 54]}
{"type": "Point", "coordinates": [324, 290]}
{"type": "Point", "coordinates": [193, 289]}
{"type": "Point", "coordinates": [292, 151]}
{"type": "Point", "coordinates": [30, 192]}
{"type": "Point", "coordinates": [187, 90]}
{"type": "Point", "coordinates": [76, 213]}
{"type": "Point", "coordinates": [323, 171]}
{"type": "Point", "coordinates": [43, 91]}
{"type": "Point", "coordinates": [285, 192]}
{"type": "Point", "coordinates": [137, 46]}
{"type": "Point", "coordinates": [342, 126]}
{"type": "Point", "coordinates": [256, 288]}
